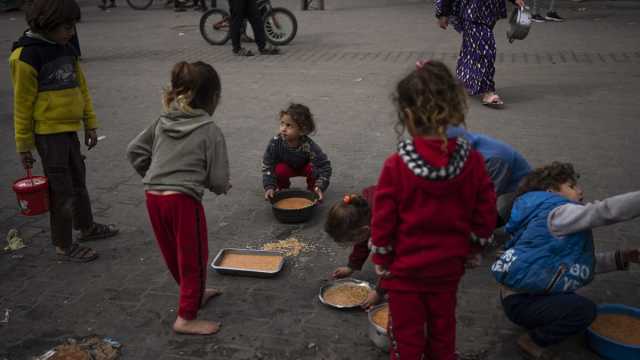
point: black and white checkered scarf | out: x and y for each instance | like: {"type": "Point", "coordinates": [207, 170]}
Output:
{"type": "Point", "coordinates": [415, 163]}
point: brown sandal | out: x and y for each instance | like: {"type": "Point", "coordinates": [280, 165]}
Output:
{"type": "Point", "coordinates": [78, 254]}
{"type": "Point", "coordinates": [98, 231]}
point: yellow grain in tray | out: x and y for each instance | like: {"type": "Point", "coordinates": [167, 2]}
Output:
{"type": "Point", "coordinates": [345, 295]}
{"type": "Point", "coordinates": [251, 262]}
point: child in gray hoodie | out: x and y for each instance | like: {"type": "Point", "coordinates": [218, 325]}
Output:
{"type": "Point", "coordinates": [179, 155]}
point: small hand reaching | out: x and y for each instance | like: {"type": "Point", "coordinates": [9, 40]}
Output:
{"type": "Point", "coordinates": [520, 3]}
{"type": "Point", "coordinates": [268, 194]}
{"type": "Point", "coordinates": [318, 191]}
{"type": "Point", "coordinates": [382, 271]}
{"type": "Point", "coordinates": [372, 299]}
{"type": "Point", "coordinates": [342, 272]}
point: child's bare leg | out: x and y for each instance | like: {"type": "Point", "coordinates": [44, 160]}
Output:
{"type": "Point", "coordinates": [195, 327]}
{"type": "Point", "coordinates": [209, 294]}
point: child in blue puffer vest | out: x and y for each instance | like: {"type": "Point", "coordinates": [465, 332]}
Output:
{"type": "Point", "coordinates": [551, 254]}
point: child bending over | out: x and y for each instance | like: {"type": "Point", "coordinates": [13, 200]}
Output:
{"type": "Point", "coordinates": [432, 195]}
{"type": "Point", "coordinates": [505, 165]}
{"type": "Point", "coordinates": [51, 103]}
{"type": "Point", "coordinates": [349, 222]}
{"type": "Point", "coordinates": [292, 153]}
{"type": "Point", "coordinates": [181, 154]}
{"type": "Point", "coordinates": [551, 254]}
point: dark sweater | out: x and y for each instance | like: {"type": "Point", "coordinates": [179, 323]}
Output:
{"type": "Point", "coordinates": [278, 151]}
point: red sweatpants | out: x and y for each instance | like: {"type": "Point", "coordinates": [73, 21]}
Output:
{"type": "Point", "coordinates": [285, 172]}
{"type": "Point", "coordinates": [180, 227]}
{"type": "Point", "coordinates": [410, 312]}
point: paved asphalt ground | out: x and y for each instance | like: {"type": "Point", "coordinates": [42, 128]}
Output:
{"type": "Point", "coordinates": [572, 94]}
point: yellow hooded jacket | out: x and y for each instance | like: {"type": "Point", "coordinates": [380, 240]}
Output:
{"type": "Point", "coordinates": [50, 92]}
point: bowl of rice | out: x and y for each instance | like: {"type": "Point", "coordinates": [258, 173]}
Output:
{"type": "Point", "coordinates": [293, 205]}
{"type": "Point", "coordinates": [345, 293]}
{"type": "Point", "coordinates": [615, 333]}
{"type": "Point", "coordinates": [378, 324]}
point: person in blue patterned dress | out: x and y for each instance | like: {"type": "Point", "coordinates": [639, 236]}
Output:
{"type": "Point", "coordinates": [475, 20]}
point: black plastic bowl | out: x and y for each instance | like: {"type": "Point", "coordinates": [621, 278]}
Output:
{"type": "Point", "coordinates": [292, 216]}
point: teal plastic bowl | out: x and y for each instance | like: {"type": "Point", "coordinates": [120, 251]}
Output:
{"type": "Point", "coordinates": [608, 348]}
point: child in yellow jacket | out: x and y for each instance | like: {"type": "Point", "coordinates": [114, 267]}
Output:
{"type": "Point", "coordinates": [51, 103]}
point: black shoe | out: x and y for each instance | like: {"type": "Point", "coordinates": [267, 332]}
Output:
{"type": "Point", "coordinates": [553, 16]}
{"type": "Point", "coordinates": [112, 5]}
{"type": "Point", "coordinates": [243, 52]}
{"type": "Point", "coordinates": [538, 18]}
{"type": "Point", "coordinates": [102, 7]}
{"type": "Point", "coordinates": [269, 50]}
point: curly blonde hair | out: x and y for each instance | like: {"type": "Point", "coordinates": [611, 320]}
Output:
{"type": "Point", "coordinates": [428, 100]}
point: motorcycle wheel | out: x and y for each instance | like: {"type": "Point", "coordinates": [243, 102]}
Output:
{"type": "Point", "coordinates": [214, 26]}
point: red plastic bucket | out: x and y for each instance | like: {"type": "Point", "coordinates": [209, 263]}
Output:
{"type": "Point", "coordinates": [33, 194]}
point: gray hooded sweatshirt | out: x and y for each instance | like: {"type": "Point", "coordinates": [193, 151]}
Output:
{"type": "Point", "coordinates": [181, 151]}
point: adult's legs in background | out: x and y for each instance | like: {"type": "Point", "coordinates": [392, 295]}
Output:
{"type": "Point", "coordinates": [253, 15]}
{"type": "Point", "coordinates": [238, 13]}
{"type": "Point", "coordinates": [476, 63]}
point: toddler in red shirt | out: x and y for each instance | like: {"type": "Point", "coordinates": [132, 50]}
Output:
{"type": "Point", "coordinates": [432, 196]}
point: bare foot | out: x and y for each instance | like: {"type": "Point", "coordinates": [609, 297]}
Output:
{"type": "Point", "coordinates": [531, 350]}
{"type": "Point", "coordinates": [195, 327]}
{"type": "Point", "coordinates": [209, 294]}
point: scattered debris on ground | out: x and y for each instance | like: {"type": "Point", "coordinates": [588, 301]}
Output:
{"type": "Point", "coordinates": [290, 247]}
{"type": "Point", "coordinates": [89, 348]}
{"type": "Point", "coordinates": [14, 241]}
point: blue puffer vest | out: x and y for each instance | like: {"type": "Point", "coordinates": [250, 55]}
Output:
{"type": "Point", "coordinates": [537, 262]}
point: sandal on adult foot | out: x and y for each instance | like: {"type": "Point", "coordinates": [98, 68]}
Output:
{"type": "Point", "coordinates": [98, 231]}
{"type": "Point", "coordinates": [492, 100]}
{"type": "Point", "coordinates": [78, 254]}
{"type": "Point", "coordinates": [243, 52]}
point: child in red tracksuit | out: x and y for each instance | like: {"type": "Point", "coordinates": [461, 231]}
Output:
{"type": "Point", "coordinates": [180, 155]}
{"type": "Point", "coordinates": [432, 196]}
{"type": "Point", "coordinates": [349, 222]}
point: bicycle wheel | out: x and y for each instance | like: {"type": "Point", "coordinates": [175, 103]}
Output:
{"type": "Point", "coordinates": [280, 26]}
{"type": "Point", "coordinates": [214, 26]}
{"type": "Point", "coordinates": [139, 4]}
